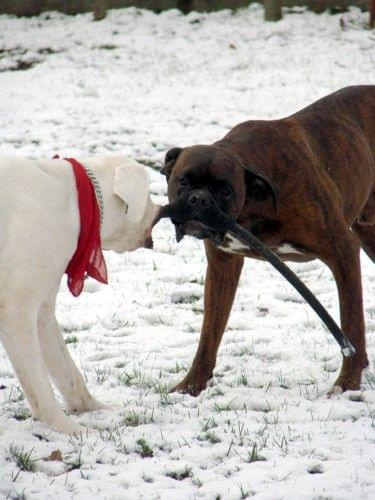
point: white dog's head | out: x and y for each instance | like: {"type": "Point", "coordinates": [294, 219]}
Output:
{"type": "Point", "coordinates": [129, 212]}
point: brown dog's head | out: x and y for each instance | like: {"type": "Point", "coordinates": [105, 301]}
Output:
{"type": "Point", "coordinates": [207, 180]}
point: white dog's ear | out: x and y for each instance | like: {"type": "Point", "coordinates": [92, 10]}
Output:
{"type": "Point", "coordinates": [131, 184]}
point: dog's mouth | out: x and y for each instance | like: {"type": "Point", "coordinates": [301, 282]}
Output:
{"type": "Point", "coordinates": [196, 229]}
{"type": "Point", "coordinates": [148, 243]}
{"type": "Point", "coordinates": [207, 223]}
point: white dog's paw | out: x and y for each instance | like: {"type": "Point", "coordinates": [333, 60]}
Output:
{"type": "Point", "coordinates": [91, 404]}
{"type": "Point", "coordinates": [95, 405]}
{"type": "Point", "coordinates": [63, 424]}
{"type": "Point", "coordinates": [69, 427]}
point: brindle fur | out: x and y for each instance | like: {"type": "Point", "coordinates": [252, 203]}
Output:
{"type": "Point", "coordinates": [322, 162]}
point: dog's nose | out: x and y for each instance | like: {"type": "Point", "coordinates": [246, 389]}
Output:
{"type": "Point", "coordinates": [201, 199]}
{"type": "Point", "coordinates": [148, 243]}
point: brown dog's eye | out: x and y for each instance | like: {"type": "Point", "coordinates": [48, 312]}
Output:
{"type": "Point", "coordinates": [225, 191]}
{"type": "Point", "coordinates": [183, 182]}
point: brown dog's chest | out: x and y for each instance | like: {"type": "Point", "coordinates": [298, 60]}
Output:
{"type": "Point", "coordinates": [285, 250]}
{"type": "Point", "coordinates": [270, 231]}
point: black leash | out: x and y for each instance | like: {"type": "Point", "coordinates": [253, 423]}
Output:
{"type": "Point", "coordinates": [222, 223]}
{"type": "Point", "coordinates": [248, 239]}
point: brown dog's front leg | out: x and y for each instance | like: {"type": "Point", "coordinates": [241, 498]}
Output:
{"type": "Point", "coordinates": [223, 273]}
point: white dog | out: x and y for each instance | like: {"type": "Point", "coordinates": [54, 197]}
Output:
{"type": "Point", "coordinates": [39, 230]}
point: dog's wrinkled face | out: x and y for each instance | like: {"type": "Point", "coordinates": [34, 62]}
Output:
{"type": "Point", "coordinates": [204, 180]}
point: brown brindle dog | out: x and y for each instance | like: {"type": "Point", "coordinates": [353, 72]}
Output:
{"type": "Point", "coordinates": [305, 185]}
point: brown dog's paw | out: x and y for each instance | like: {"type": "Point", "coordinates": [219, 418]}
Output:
{"type": "Point", "coordinates": [343, 384]}
{"type": "Point", "coordinates": [350, 376]}
{"type": "Point", "coordinates": [187, 386]}
{"type": "Point", "coordinates": [336, 390]}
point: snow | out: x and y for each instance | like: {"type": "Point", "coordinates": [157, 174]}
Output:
{"type": "Point", "coordinates": [140, 83]}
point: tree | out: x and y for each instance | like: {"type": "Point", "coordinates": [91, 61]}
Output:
{"type": "Point", "coordinates": [272, 10]}
{"type": "Point", "coordinates": [100, 9]}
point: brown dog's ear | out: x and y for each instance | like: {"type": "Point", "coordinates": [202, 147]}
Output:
{"type": "Point", "coordinates": [260, 188]}
{"type": "Point", "coordinates": [169, 161]}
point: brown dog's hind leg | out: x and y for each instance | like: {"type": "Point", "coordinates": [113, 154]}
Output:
{"type": "Point", "coordinates": [366, 234]}
{"type": "Point", "coordinates": [342, 256]}
{"type": "Point", "coordinates": [223, 273]}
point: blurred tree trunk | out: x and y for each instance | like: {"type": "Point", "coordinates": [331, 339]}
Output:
{"type": "Point", "coordinates": [185, 6]}
{"type": "Point", "coordinates": [371, 8]}
{"type": "Point", "coordinates": [100, 9]}
{"type": "Point", "coordinates": [272, 10]}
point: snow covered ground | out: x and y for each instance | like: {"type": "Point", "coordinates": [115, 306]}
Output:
{"type": "Point", "coordinates": [140, 83]}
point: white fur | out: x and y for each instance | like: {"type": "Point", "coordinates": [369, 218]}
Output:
{"type": "Point", "coordinates": [234, 245]}
{"type": "Point", "coordinates": [288, 248]}
{"type": "Point", "coordinates": [39, 228]}
{"type": "Point", "coordinates": [129, 179]}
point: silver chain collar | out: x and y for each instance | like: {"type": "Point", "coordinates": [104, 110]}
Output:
{"type": "Point", "coordinates": [98, 191]}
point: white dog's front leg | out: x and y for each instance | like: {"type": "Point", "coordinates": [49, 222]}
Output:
{"type": "Point", "coordinates": [60, 364]}
{"type": "Point", "coordinates": [18, 333]}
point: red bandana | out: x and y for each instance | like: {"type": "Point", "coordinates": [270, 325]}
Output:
{"type": "Point", "coordinates": [88, 258]}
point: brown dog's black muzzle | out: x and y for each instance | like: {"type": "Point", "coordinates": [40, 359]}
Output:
{"type": "Point", "coordinates": [200, 200]}
{"type": "Point", "coordinates": [197, 214]}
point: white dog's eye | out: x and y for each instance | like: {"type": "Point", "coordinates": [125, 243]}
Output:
{"type": "Point", "coordinates": [126, 207]}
